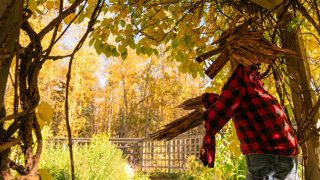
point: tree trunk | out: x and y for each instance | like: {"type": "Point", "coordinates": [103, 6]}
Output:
{"type": "Point", "coordinates": [140, 120]}
{"type": "Point", "coordinates": [147, 120]}
{"type": "Point", "coordinates": [302, 96]}
{"type": "Point", "coordinates": [10, 20]}
{"type": "Point", "coordinates": [110, 112]}
{"type": "Point", "coordinates": [125, 115]}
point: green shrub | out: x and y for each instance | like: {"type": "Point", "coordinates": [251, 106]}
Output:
{"type": "Point", "coordinates": [195, 170]}
{"type": "Point", "coordinates": [97, 160]}
{"type": "Point", "coordinates": [227, 164]}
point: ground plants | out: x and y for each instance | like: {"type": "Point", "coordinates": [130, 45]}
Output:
{"type": "Point", "coordinates": [97, 160]}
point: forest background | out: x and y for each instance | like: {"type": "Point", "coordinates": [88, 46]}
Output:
{"type": "Point", "coordinates": [121, 67]}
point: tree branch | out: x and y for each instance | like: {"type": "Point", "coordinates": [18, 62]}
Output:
{"type": "Point", "coordinates": [13, 116]}
{"type": "Point", "coordinates": [19, 168]}
{"type": "Point", "coordinates": [54, 58]}
{"type": "Point", "coordinates": [6, 145]}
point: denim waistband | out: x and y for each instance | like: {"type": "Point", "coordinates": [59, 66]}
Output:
{"type": "Point", "coordinates": [269, 158]}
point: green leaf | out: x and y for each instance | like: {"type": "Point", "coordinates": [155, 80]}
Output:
{"type": "Point", "coordinates": [175, 43]}
{"type": "Point", "coordinates": [98, 47]}
{"type": "Point", "coordinates": [188, 41]}
{"type": "Point", "coordinates": [138, 50]}
{"type": "Point", "coordinates": [180, 57]}
{"type": "Point", "coordinates": [168, 38]}
{"type": "Point", "coordinates": [105, 22]}
{"type": "Point", "coordinates": [201, 73]}
{"type": "Point", "coordinates": [130, 9]}
{"type": "Point", "coordinates": [199, 50]}
{"type": "Point", "coordinates": [122, 49]}
{"type": "Point", "coordinates": [182, 68]}
{"type": "Point", "coordinates": [149, 51]}
{"type": "Point", "coordinates": [143, 50]}
{"type": "Point", "coordinates": [115, 52]}
{"type": "Point", "coordinates": [81, 17]}
{"type": "Point", "coordinates": [194, 74]}
{"type": "Point", "coordinates": [292, 25]}
{"type": "Point", "coordinates": [108, 51]}
{"type": "Point", "coordinates": [91, 41]}
{"type": "Point", "coordinates": [119, 38]}
{"type": "Point", "coordinates": [39, 11]}
{"type": "Point", "coordinates": [289, 109]}
{"type": "Point", "coordinates": [122, 23]}
{"type": "Point", "coordinates": [155, 52]}
{"type": "Point", "coordinates": [124, 55]}
{"type": "Point", "coordinates": [45, 174]}
{"type": "Point", "coordinates": [132, 44]}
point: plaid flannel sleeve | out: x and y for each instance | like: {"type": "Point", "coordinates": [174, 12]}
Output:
{"type": "Point", "coordinates": [219, 111]}
{"type": "Point", "coordinates": [208, 99]}
{"type": "Point", "coordinates": [207, 152]}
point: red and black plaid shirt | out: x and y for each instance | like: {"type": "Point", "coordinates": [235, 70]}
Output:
{"type": "Point", "coordinates": [260, 122]}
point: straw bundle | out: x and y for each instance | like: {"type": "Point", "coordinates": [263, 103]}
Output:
{"type": "Point", "coordinates": [244, 46]}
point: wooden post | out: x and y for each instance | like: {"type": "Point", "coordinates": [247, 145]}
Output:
{"type": "Point", "coordinates": [143, 156]}
{"type": "Point", "coordinates": [302, 96]}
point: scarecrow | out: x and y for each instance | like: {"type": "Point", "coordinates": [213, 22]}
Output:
{"type": "Point", "coordinates": [267, 138]}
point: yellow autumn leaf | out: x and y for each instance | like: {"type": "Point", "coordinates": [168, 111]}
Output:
{"type": "Point", "coordinates": [40, 121]}
{"type": "Point", "coordinates": [32, 5]}
{"type": "Point", "coordinates": [60, 28]}
{"type": "Point", "coordinates": [45, 174]}
{"type": "Point", "coordinates": [50, 4]}
{"type": "Point", "coordinates": [44, 114]}
{"type": "Point", "coordinates": [234, 148]}
{"type": "Point", "coordinates": [57, 4]}
{"type": "Point", "coordinates": [69, 18]}
{"type": "Point", "coordinates": [45, 111]}
{"type": "Point", "coordinates": [91, 2]}
{"type": "Point", "coordinates": [237, 152]}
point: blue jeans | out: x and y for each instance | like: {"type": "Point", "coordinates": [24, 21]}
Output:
{"type": "Point", "coordinates": [271, 167]}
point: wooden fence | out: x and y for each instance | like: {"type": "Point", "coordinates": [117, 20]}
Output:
{"type": "Point", "coordinates": [153, 156]}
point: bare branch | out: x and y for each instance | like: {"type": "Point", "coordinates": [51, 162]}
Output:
{"type": "Point", "coordinates": [54, 58]}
